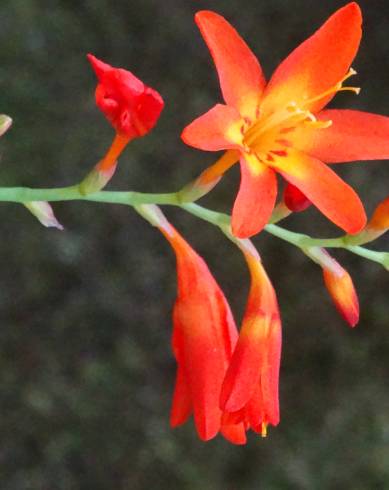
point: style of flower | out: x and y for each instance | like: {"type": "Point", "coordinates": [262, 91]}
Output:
{"type": "Point", "coordinates": [282, 127]}
{"type": "Point", "coordinates": [130, 106]}
{"type": "Point", "coordinates": [204, 336]}
{"type": "Point", "coordinates": [250, 388]}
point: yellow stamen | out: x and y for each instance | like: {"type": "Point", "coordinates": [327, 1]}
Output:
{"type": "Point", "coordinates": [318, 124]}
{"type": "Point", "coordinates": [264, 429]}
{"type": "Point", "coordinates": [337, 88]}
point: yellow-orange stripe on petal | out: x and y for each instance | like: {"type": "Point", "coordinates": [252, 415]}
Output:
{"type": "Point", "coordinates": [255, 200]}
{"type": "Point", "coordinates": [240, 74]}
{"type": "Point", "coordinates": [328, 192]}
{"type": "Point", "coordinates": [217, 129]}
{"type": "Point", "coordinates": [353, 135]}
{"type": "Point", "coordinates": [317, 65]}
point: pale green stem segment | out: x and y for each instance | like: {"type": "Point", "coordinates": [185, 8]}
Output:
{"type": "Point", "coordinates": [72, 193]}
{"type": "Point", "coordinates": [304, 242]}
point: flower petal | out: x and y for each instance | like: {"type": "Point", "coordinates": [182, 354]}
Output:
{"type": "Point", "coordinates": [318, 64]}
{"type": "Point", "coordinates": [251, 380]}
{"type": "Point", "coordinates": [182, 403]}
{"type": "Point", "coordinates": [256, 197]}
{"type": "Point", "coordinates": [328, 192]}
{"type": "Point", "coordinates": [270, 374]}
{"type": "Point", "coordinates": [353, 135]}
{"type": "Point", "coordinates": [203, 360]}
{"type": "Point", "coordinates": [234, 433]}
{"type": "Point", "coordinates": [217, 129]}
{"type": "Point", "coordinates": [240, 74]}
{"type": "Point", "coordinates": [244, 372]}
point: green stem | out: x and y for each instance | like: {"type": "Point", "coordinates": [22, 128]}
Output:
{"type": "Point", "coordinates": [223, 221]}
{"type": "Point", "coordinates": [71, 193]}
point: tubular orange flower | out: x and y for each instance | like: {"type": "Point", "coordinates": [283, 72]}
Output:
{"type": "Point", "coordinates": [250, 389]}
{"type": "Point", "coordinates": [339, 284]}
{"type": "Point", "coordinates": [281, 127]}
{"type": "Point", "coordinates": [204, 336]}
{"type": "Point", "coordinates": [130, 106]}
{"type": "Point", "coordinates": [341, 288]}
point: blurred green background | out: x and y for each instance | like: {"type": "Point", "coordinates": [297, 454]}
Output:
{"type": "Point", "coordinates": [86, 371]}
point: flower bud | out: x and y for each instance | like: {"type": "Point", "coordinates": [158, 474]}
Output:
{"type": "Point", "coordinates": [130, 106]}
{"type": "Point", "coordinates": [294, 199]}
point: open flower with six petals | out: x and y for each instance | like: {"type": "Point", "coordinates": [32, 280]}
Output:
{"type": "Point", "coordinates": [281, 127]}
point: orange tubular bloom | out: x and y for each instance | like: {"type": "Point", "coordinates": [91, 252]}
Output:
{"type": "Point", "coordinates": [340, 286]}
{"type": "Point", "coordinates": [204, 336]}
{"type": "Point", "coordinates": [250, 389]}
{"type": "Point", "coordinates": [282, 127]}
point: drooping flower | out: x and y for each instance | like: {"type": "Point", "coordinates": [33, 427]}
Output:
{"type": "Point", "coordinates": [250, 389]}
{"type": "Point", "coordinates": [281, 127]}
{"type": "Point", "coordinates": [339, 284]}
{"type": "Point", "coordinates": [204, 336]}
{"type": "Point", "coordinates": [130, 106]}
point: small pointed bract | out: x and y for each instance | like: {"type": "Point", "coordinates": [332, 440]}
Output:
{"type": "Point", "coordinates": [44, 213]}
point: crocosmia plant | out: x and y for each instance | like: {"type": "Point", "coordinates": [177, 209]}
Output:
{"type": "Point", "coordinates": [280, 133]}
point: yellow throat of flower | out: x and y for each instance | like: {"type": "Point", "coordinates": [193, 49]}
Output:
{"type": "Point", "coordinates": [268, 135]}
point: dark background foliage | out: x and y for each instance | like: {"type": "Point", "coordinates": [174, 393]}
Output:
{"type": "Point", "coordinates": [85, 364]}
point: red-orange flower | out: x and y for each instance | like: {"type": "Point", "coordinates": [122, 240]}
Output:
{"type": "Point", "coordinates": [204, 336]}
{"type": "Point", "coordinates": [281, 127]}
{"type": "Point", "coordinates": [250, 389]}
{"type": "Point", "coordinates": [130, 106]}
